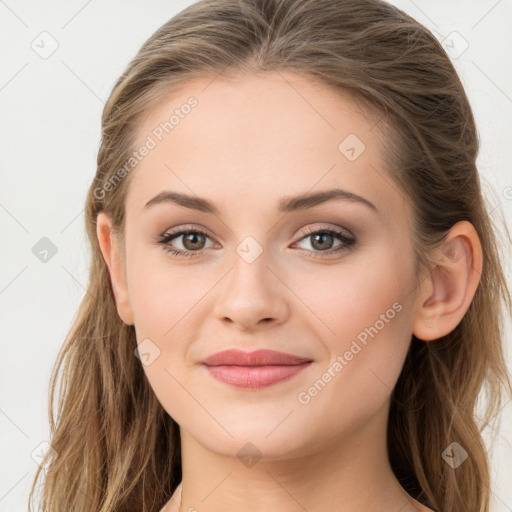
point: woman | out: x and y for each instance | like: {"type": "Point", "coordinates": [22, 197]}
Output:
{"type": "Point", "coordinates": [295, 291]}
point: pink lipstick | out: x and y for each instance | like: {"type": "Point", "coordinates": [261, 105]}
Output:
{"type": "Point", "coordinates": [254, 370]}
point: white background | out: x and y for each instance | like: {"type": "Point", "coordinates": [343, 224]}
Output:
{"type": "Point", "coordinates": [50, 112]}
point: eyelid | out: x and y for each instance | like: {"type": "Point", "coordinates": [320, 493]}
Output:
{"type": "Point", "coordinates": [310, 230]}
{"type": "Point", "coordinates": [187, 227]}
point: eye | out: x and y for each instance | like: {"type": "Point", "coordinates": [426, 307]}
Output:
{"type": "Point", "coordinates": [322, 239]}
{"type": "Point", "coordinates": [193, 242]}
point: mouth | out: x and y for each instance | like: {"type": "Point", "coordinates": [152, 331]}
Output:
{"type": "Point", "coordinates": [254, 370]}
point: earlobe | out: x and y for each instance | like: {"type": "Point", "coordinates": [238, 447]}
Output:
{"type": "Point", "coordinates": [448, 290]}
{"type": "Point", "coordinates": [113, 258]}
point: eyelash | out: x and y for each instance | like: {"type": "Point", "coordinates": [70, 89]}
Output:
{"type": "Point", "coordinates": [348, 243]}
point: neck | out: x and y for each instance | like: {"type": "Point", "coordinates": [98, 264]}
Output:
{"type": "Point", "coordinates": [349, 473]}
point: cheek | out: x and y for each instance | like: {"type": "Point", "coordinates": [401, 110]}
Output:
{"type": "Point", "coordinates": [160, 294]}
{"type": "Point", "coordinates": [367, 310]}
{"type": "Point", "coordinates": [353, 297]}
{"type": "Point", "coordinates": [164, 303]}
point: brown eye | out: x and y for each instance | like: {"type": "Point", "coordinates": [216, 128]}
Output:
{"type": "Point", "coordinates": [193, 241]}
{"type": "Point", "coordinates": [322, 240]}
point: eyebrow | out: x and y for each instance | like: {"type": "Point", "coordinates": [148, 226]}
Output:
{"type": "Point", "coordinates": [286, 204]}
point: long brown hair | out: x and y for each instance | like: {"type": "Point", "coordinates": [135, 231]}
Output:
{"type": "Point", "coordinates": [115, 447]}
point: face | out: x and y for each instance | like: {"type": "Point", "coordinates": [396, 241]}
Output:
{"type": "Point", "coordinates": [330, 281]}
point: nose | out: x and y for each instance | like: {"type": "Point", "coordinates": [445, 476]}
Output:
{"type": "Point", "coordinates": [253, 296]}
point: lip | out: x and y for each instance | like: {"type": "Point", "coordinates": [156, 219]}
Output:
{"type": "Point", "coordinates": [254, 370]}
{"type": "Point", "coordinates": [235, 357]}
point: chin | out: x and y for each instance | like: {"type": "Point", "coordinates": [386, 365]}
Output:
{"type": "Point", "coordinates": [262, 441]}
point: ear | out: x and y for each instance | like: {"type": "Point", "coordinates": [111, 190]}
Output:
{"type": "Point", "coordinates": [446, 294]}
{"type": "Point", "coordinates": [112, 254]}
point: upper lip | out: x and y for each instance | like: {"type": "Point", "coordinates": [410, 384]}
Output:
{"type": "Point", "coordinates": [234, 357]}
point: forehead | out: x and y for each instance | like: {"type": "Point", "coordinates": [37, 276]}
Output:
{"type": "Point", "coordinates": [251, 139]}
{"type": "Point", "coordinates": [261, 105]}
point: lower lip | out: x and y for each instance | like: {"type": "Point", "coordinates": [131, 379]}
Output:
{"type": "Point", "coordinates": [255, 377]}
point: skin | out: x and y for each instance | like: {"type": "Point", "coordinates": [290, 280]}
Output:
{"type": "Point", "coordinates": [250, 142]}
